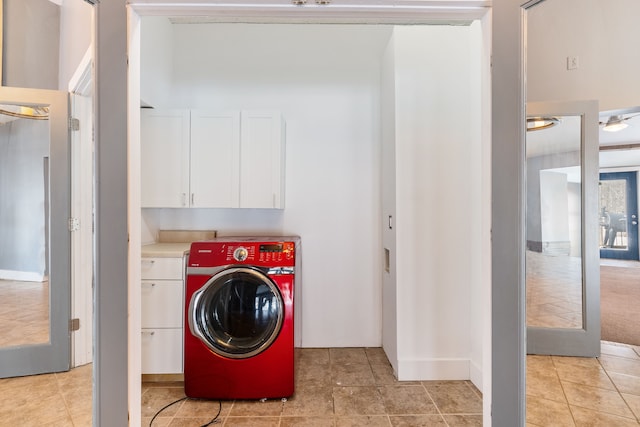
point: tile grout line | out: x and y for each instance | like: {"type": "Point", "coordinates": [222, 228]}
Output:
{"type": "Point", "coordinates": [434, 403]}
{"type": "Point", "coordinates": [637, 417]}
{"type": "Point", "coordinates": [64, 399]}
{"type": "Point", "coordinates": [564, 393]}
{"type": "Point", "coordinates": [591, 387]}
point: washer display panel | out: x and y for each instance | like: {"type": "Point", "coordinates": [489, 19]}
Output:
{"type": "Point", "coordinates": [238, 313]}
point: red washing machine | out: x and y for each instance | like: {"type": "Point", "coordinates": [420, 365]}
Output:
{"type": "Point", "coordinates": [239, 310]}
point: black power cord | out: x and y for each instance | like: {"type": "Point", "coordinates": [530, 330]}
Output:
{"type": "Point", "coordinates": [213, 420]}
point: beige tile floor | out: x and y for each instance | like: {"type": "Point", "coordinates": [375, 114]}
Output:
{"type": "Point", "coordinates": [20, 326]}
{"type": "Point", "coordinates": [574, 391]}
{"type": "Point", "coordinates": [554, 291]}
{"type": "Point", "coordinates": [334, 387]}
{"type": "Point", "coordinates": [60, 400]}
{"type": "Point", "coordinates": [352, 387]}
{"type": "Point", "coordinates": [337, 387]}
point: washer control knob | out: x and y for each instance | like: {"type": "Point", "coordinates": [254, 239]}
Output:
{"type": "Point", "coordinates": [240, 254]}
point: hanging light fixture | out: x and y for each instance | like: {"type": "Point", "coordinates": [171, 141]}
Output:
{"type": "Point", "coordinates": [615, 124]}
{"type": "Point", "coordinates": [25, 112]}
{"type": "Point", "coordinates": [539, 123]}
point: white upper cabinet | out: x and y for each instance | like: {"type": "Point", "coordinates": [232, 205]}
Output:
{"type": "Point", "coordinates": [215, 159]}
{"type": "Point", "coordinates": [262, 160]}
{"type": "Point", "coordinates": [164, 136]}
{"type": "Point", "coordinates": [222, 160]}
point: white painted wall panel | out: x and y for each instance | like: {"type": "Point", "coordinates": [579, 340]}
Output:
{"type": "Point", "coordinates": [479, 238]}
{"type": "Point", "coordinates": [389, 218]}
{"type": "Point", "coordinates": [437, 208]}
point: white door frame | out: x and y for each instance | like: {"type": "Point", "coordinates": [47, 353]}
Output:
{"type": "Point", "coordinates": [81, 92]}
{"type": "Point", "coordinates": [357, 11]}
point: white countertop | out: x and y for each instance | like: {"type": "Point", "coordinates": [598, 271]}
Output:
{"type": "Point", "coordinates": [166, 250]}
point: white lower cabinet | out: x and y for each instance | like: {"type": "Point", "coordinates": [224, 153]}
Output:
{"type": "Point", "coordinates": [162, 290]}
{"type": "Point", "coordinates": [162, 351]}
{"type": "Point", "coordinates": [160, 308]}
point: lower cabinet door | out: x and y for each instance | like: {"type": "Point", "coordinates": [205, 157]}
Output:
{"type": "Point", "coordinates": [162, 351]}
{"type": "Point", "coordinates": [162, 305]}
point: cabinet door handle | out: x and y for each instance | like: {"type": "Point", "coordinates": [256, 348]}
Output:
{"type": "Point", "coordinates": [192, 199]}
{"type": "Point", "coordinates": [184, 199]}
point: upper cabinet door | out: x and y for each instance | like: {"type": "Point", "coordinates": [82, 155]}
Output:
{"type": "Point", "coordinates": [215, 159]}
{"type": "Point", "coordinates": [164, 138]}
{"type": "Point", "coordinates": [262, 160]}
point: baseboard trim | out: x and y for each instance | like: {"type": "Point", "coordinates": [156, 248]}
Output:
{"type": "Point", "coordinates": [21, 276]}
{"type": "Point", "coordinates": [433, 369]}
{"type": "Point", "coordinates": [162, 378]}
{"type": "Point", "coordinates": [534, 246]}
{"type": "Point", "coordinates": [475, 376]}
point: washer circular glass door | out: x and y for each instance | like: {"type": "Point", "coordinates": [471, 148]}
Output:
{"type": "Point", "coordinates": [238, 313]}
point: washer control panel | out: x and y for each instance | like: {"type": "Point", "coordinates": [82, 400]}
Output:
{"type": "Point", "coordinates": [261, 253]}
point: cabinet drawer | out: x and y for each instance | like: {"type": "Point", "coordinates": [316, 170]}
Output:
{"type": "Point", "coordinates": [162, 351]}
{"type": "Point", "coordinates": [162, 268]}
{"type": "Point", "coordinates": [162, 303]}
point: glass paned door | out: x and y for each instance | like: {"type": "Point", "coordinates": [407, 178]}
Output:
{"type": "Point", "coordinates": [618, 212]}
{"type": "Point", "coordinates": [34, 232]}
{"type": "Point", "coordinates": [562, 273]}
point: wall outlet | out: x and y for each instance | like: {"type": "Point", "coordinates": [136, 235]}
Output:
{"type": "Point", "coordinates": [572, 63]}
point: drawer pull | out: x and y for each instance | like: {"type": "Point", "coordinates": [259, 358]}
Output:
{"type": "Point", "coordinates": [149, 261]}
{"type": "Point", "coordinates": [149, 284]}
{"type": "Point", "coordinates": [152, 333]}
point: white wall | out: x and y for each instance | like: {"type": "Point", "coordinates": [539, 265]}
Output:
{"type": "Point", "coordinates": [554, 204]}
{"type": "Point", "coordinates": [76, 24]}
{"type": "Point", "coordinates": [325, 79]}
{"type": "Point", "coordinates": [156, 56]}
{"type": "Point", "coordinates": [31, 44]}
{"type": "Point", "coordinates": [24, 145]}
{"type": "Point", "coordinates": [439, 213]}
{"type": "Point", "coordinates": [602, 35]}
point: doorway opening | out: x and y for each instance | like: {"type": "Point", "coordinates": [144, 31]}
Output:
{"type": "Point", "coordinates": [482, 335]}
{"type": "Point", "coordinates": [618, 211]}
